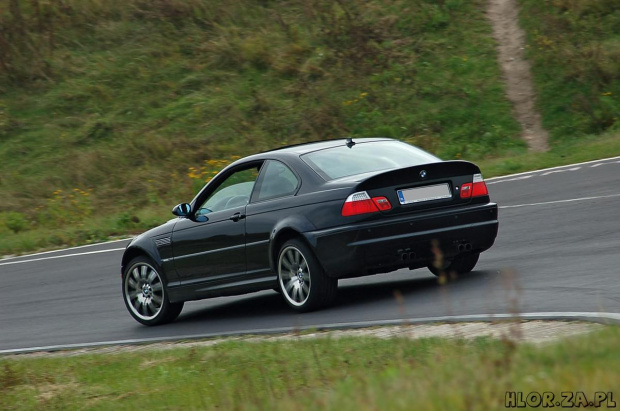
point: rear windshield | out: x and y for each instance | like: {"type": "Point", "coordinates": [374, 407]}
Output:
{"type": "Point", "coordinates": [336, 162]}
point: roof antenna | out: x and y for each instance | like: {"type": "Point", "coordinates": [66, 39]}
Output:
{"type": "Point", "coordinates": [350, 142]}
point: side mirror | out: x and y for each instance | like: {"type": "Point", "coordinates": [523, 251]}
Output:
{"type": "Point", "coordinates": [182, 210]}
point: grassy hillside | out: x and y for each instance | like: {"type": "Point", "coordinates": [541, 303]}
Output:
{"type": "Point", "coordinates": [113, 111]}
{"type": "Point", "coordinates": [574, 47]}
{"type": "Point", "coordinates": [333, 374]}
{"type": "Point", "coordinates": [124, 108]}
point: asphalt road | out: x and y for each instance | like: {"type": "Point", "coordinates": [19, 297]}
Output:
{"type": "Point", "coordinates": [558, 250]}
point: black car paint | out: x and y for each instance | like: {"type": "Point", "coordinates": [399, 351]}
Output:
{"type": "Point", "coordinates": [226, 255]}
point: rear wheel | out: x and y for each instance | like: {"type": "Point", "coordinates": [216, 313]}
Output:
{"type": "Point", "coordinates": [461, 264]}
{"type": "Point", "coordinates": [302, 281]}
{"type": "Point", "coordinates": [145, 294]}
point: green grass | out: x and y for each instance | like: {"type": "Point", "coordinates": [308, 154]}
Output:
{"type": "Point", "coordinates": [586, 148]}
{"type": "Point", "coordinates": [574, 47]}
{"type": "Point", "coordinates": [344, 374]}
{"type": "Point", "coordinates": [120, 99]}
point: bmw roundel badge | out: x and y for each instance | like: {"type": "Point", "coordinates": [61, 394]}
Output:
{"type": "Point", "coordinates": [423, 173]}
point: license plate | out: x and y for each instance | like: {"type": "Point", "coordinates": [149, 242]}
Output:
{"type": "Point", "coordinates": [427, 193]}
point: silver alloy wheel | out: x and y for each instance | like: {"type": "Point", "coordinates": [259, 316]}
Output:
{"type": "Point", "coordinates": [294, 276]}
{"type": "Point", "coordinates": [144, 291]}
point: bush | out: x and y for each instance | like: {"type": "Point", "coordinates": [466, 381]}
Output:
{"type": "Point", "coordinates": [15, 221]}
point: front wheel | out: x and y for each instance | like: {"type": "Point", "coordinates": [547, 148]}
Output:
{"type": "Point", "coordinates": [145, 294]}
{"type": "Point", "coordinates": [303, 283]}
{"type": "Point", "coordinates": [461, 264]}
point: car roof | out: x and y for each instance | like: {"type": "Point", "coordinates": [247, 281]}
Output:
{"type": "Point", "coordinates": [304, 148]}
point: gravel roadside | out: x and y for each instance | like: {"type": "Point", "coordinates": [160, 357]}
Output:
{"type": "Point", "coordinates": [537, 332]}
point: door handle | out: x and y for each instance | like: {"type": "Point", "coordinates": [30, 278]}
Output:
{"type": "Point", "coordinates": [237, 216]}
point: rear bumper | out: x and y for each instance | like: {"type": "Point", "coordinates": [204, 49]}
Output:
{"type": "Point", "coordinates": [410, 241]}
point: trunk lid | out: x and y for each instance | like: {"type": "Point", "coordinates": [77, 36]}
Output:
{"type": "Point", "coordinates": [423, 187]}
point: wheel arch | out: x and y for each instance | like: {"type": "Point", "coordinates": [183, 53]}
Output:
{"type": "Point", "coordinates": [284, 231]}
{"type": "Point", "coordinates": [134, 251]}
{"type": "Point", "coordinates": [276, 244]}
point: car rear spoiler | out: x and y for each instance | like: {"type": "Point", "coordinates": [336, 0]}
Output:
{"type": "Point", "coordinates": [425, 172]}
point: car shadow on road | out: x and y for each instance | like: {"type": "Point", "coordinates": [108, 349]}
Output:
{"type": "Point", "coordinates": [407, 289]}
{"type": "Point", "coordinates": [373, 291]}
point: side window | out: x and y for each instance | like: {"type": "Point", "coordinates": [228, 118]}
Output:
{"type": "Point", "coordinates": [233, 192]}
{"type": "Point", "coordinates": [277, 181]}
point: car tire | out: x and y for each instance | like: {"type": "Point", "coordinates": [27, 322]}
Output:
{"type": "Point", "coordinates": [461, 264]}
{"type": "Point", "coordinates": [301, 279]}
{"type": "Point", "coordinates": [145, 294]}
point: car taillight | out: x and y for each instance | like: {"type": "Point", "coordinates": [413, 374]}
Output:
{"type": "Point", "coordinates": [480, 187]}
{"type": "Point", "coordinates": [476, 189]}
{"type": "Point", "coordinates": [361, 203]}
{"type": "Point", "coordinates": [466, 190]}
{"type": "Point", "coordinates": [382, 203]}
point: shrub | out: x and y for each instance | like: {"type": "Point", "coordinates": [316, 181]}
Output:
{"type": "Point", "coordinates": [15, 221]}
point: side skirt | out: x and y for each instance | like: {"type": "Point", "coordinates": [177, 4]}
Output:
{"type": "Point", "coordinates": [199, 291]}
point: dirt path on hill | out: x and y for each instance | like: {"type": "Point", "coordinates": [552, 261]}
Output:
{"type": "Point", "coordinates": [504, 17]}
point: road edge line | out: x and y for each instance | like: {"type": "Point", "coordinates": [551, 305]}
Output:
{"type": "Point", "coordinates": [64, 249]}
{"type": "Point", "coordinates": [551, 168]}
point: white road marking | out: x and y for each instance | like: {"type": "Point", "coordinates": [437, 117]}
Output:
{"type": "Point", "coordinates": [61, 256]}
{"type": "Point", "coordinates": [600, 317]}
{"type": "Point", "coordinates": [560, 171]}
{"type": "Point", "coordinates": [511, 179]}
{"type": "Point", "coordinates": [602, 160]}
{"type": "Point", "coordinates": [572, 200]}
{"type": "Point", "coordinates": [65, 249]}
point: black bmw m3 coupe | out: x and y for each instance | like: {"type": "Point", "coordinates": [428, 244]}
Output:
{"type": "Point", "coordinates": [298, 218]}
